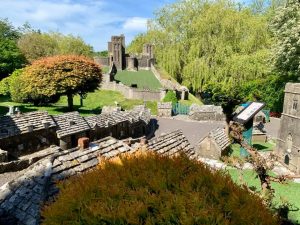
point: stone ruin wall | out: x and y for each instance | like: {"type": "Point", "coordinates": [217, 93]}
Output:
{"type": "Point", "coordinates": [134, 93]}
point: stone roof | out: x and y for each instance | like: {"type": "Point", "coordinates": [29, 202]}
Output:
{"type": "Point", "coordinates": [220, 137]}
{"type": "Point", "coordinates": [70, 123]}
{"type": "Point", "coordinates": [164, 105]}
{"type": "Point", "coordinates": [12, 125]}
{"type": "Point", "coordinates": [113, 118]}
{"type": "Point", "coordinates": [170, 144]}
{"type": "Point", "coordinates": [20, 199]}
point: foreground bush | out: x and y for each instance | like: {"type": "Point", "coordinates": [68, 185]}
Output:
{"type": "Point", "coordinates": [155, 190]}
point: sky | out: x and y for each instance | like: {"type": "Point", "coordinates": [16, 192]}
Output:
{"type": "Point", "coordinates": [93, 20]}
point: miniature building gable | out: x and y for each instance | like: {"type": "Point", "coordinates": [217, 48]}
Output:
{"type": "Point", "coordinates": [214, 145]}
{"type": "Point", "coordinates": [70, 123]}
{"type": "Point", "coordinates": [171, 143]}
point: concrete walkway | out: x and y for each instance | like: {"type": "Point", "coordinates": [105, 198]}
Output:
{"type": "Point", "coordinates": [193, 130]}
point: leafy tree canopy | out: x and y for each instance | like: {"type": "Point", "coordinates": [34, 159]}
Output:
{"type": "Point", "coordinates": [11, 57]}
{"type": "Point", "coordinates": [35, 45]}
{"type": "Point", "coordinates": [60, 75]}
{"type": "Point", "coordinates": [286, 29]}
{"type": "Point", "coordinates": [214, 46]}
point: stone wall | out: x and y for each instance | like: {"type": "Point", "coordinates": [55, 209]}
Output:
{"type": "Point", "coordinates": [29, 142]}
{"type": "Point", "coordinates": [134, 93]}
{"type": "Point", "coordinates": [206, 113]}
{"type": "Point", "coordinates": [104, 61]}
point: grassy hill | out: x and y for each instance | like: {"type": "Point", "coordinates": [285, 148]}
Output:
{"type": "Point", "coordinates": [142, 78]}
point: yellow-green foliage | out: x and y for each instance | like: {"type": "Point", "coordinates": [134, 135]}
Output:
{"type": "Point", "coordinates": [151, 189]}
{"type": "Point", "coordinates": [60, 75]}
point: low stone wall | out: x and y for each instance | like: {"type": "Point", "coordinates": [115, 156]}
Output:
{"type": "Point", "coordinates": [134, 93]}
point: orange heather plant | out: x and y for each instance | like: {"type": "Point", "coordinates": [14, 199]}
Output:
{"type": "Point", "coordinates": [152, 189]}
{"type": "Point", "coordinates": [60, 75]}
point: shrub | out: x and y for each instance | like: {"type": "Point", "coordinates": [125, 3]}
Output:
{"type": "Point", "coordinates": [151, 189]}
{"type": "Point", "coordinates": [13, 86]}
{"type": "Point", "coordinates": [170, 97]}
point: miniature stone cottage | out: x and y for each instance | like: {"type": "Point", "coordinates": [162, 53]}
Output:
{"type": "Point", "coordinates": [21, 134]}
{"type": "Point", "coordinates": [214, 145]}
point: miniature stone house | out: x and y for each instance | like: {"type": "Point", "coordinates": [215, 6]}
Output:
{"type": "Point", "coordinates": [206, 113]}
{"type": "Point", "coordinates": [164, 109]}
{"type": "Point", "coordinates": [170, 144]}
{"type": "Point", "coordinates": [214, 145]}
{"type": "Point", "coordinates": [120, 124]}
{"type": "Point", "coordinates": [288, 142]}
{"type": "Point", "coordinates": [21, 134]}
{"type": "Point", "coordinates": [71, 127]}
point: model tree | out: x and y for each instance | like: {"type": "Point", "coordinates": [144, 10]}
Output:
{"type": "Point", "coordinates": [60, 75]}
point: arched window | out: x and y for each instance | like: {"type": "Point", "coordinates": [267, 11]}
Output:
{"type": "Point", "coordinates": [286, 159]}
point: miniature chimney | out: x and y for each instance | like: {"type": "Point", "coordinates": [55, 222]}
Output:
{"type": "Point", "coordinates": [11, 110]}
{"type": "Point", "coordinates": [29, 127]}
{"type": "Point", "coordinates": [83, 143]}
{"type": "Point", "coordinates": [143, 141]}
{"type": "Point", "coordinates": [71, 122]}
{"type": "Point", "coordinates": [46, 124]}
{"type": "Point", "coordinates": [18, 111]}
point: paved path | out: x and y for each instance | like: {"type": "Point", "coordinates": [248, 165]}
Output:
{"type": "Point", "coordinates": [193, 130]}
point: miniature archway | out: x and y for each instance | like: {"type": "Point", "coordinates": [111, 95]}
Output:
{"type": "Point", "coordinates": [287, 159]}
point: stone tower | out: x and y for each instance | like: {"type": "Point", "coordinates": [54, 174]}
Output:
{"type": "Point", "coordinates": [116, 49]}
{"type": "Point", "coordinates": [288, 142]}
{"type": "Point", "coordinates": [148, 50]}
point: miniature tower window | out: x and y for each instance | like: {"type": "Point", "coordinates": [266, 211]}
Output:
{"type": "Point", "coordinates": [295, 104]}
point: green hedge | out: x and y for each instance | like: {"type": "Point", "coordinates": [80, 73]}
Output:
{"type": "Point", "coordinates": [151, 189]}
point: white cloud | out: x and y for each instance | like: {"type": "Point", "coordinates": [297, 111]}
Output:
{"type": "Point", "coordinates": [136, 24]}
{"type": "Point", "coordinates": [94, 20]}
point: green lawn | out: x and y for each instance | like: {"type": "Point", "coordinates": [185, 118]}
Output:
{"type": "Point", "coordinates": [192, 100]}
{"type": "Point", "coordinates": [261, 146]}
{"type": "Point", "coordinates": [288, 192]}
{"type": "Point", "coordinates": [142, 78]}
{"type": "Point", "coordinates": [91, 105]}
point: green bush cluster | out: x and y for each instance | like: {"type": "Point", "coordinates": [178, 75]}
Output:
{"type": "Point", "coordinates": [171, 97]}
{"type": "Point", "coordinates": [152, 189]}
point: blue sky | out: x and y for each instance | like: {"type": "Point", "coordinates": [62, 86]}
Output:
{"type": "Point", "coordinates": [94, 20]}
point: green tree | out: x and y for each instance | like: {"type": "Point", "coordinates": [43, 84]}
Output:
{"type": "Point", "coordinates": [212, 46]}
{"type": "Point", "coordinates": [286, 30]}
{"type": "Point", "coordinates": [35, 45]}
{"type": "Point", "coordinates": [170, 97]}
{"type": "Point", "coordinates": [10, 56]}
{"type": "Point", "coordinates": [60, 75]}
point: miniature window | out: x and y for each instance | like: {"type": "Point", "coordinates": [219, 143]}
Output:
{"type": "Point", "coordinates": [295, 104]}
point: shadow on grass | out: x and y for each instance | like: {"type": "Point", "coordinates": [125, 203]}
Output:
{"type": "Point", "coordinates": [64, 109]}
{"type": "Point", "coordinates": [260, 147]}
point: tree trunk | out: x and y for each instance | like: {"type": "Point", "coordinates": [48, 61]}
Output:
{"type": "Point", "coordinates": [81, 100]}
{"type": "Point", "coordinates": [70, 101]}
